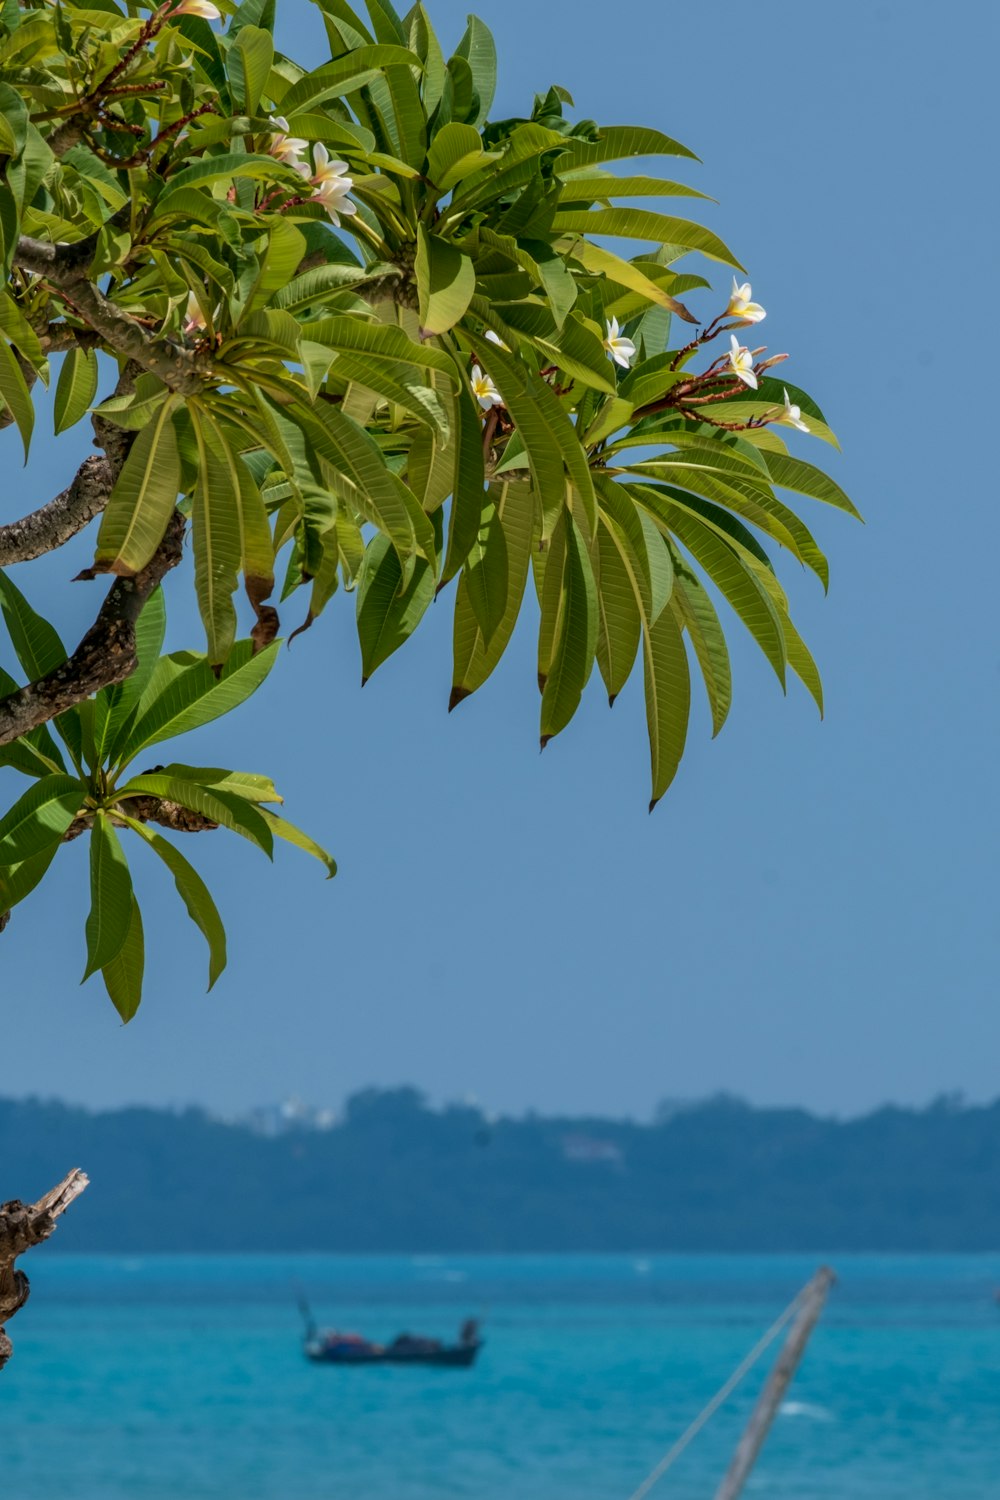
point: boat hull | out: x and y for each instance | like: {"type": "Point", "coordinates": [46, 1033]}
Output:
{"type": "Point", "coordinates": [454, 1356]}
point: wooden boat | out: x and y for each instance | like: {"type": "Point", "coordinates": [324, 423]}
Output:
{"type": "Point", "coordinates": [331, 1347]}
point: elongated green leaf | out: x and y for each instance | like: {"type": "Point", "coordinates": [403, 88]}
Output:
{"type": "Point", "coordinates": [282, 829]}
{"type": "Point", "coordinates": [220, 807]}
{"type": "Point", "coordinates": [343, 76]}
{"type": "Point", "coordinates": [113, 706]}
{"type": "Point", "coordinates": [805, 479]}
{"type": "Point", "coordinates": [619, 617]}
{"type": "Point", "coordinates": [617, 143]}
{"type": "Point", "coordinates": [15, 394]}
{"type": "Point", "coordinates": [18, 881]}
{"type": "Point", "coordinates": [731, 577]}
{"type": "Point", "coordinates": [467, 495]}
{"type": "Point", "coordinates": [479, 51]}
{"type": "Point", "coordinates": [695, 612]}
{"type": "Point", "coordinates": [668, 700]}
{"type": "Point", "coordinates": [185, 694]}
{"type": "Point", "coordinates": [486, 567]}
{"type": "Point", "coordinates": [143, 499]}
{"type": "Point", "coordinates": [75, 388]}
{"type": "Point", "coordinates": [593, 187]}
{"type": "Point", "coordinates": [473, 659]}
{"type": "Point", "coordinates": [602, 262]}
{"type": "Point", "coordinates": [217, 543]}
{"type": "Point", "coordinates": [110, 896]}
{"type": "Point", "coordinates": [123, 975]}
{"type": "Point", "coordinates": [248, 65]}
{"type": "Point", "coordinates": [446, 281]}
{"type": "Point", "coordinates": [388, 611]}
{"type": "Point", "coordinates": [558, 464]}
{"type": "Point", "coordinates": [39, 818]}
{"type": "Point", "coordinates": [641, 224]}
{"type": "Point", "coordinates": [194, 893]}
{"type": "Point", "coordinates": [576, 638]}
{"type": "Point", "coordinates": [36, 643]}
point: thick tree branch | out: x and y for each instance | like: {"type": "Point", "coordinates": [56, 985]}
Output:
{"type": "Point", "coordinates": [53, 524]}
{"type": "Point", "coordinates": [106, 654]}
{"type": "Point", "coordinates": [67, 267]}
{"type": "Point", "coordinates": [22, 1226]}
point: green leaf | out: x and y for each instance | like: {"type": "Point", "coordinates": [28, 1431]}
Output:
{"type": "Point", "coordinates": [486, 567]}
{"type": "Point", "coordinates": [143, 498]}
{"type": "Point", "coordinates": [619, 617]}
{"type": "Point", "coordinates": [446, 281]}
{"type": "Point", "coordinates": [292, 835]}
{"type": "Point", "coordinates": [455, 151]}
{"type": "Point", "coordinates": [474, 660]}
{"type": "Point", "coordinates": [730, 576]}
{"type": "Point", "coordinates": [804, 479]}
{"type": "Point", "coordinates": [576, 638]}
{"type": "Point", "coordinates": [216, 540]}
{"type": "Point", "coordinates": [478, 49]}
{"type": "Point", "coordinates": [18, 881]}
{"type": "Point", "coordinates": [618, 142]}
{"type": "Point", "coordinates": [220, 807]}
{"type": "Point", "coordinates": [668, 699]}
{"type": "Point", "coordinates": [194, 893]}
{"type": "Point", "coordinates": [467, 497]}
{"type": "Point", "coordinates": [15, 394]}
{"type": "Point", "coordinates": [36, 642]}
{"type": "Point", "coordinates": [123, 975]}
{"type": "Point", "coordinates": [185, 694]}
{"type": "Point", "coordinates": [696, 613]}
{"type": "Point", "coordinates": [248, 65]}
{"type": "Point", "coordinates": [39, 818]}
{"type": "Point", "coordinates": [387, 612]}
{"type": "Point", "coordinates": [75, 388]}
{"type": "Point", "coordinates": [344, 76]}
{"type": "Point", "coordinates": [110, 896]}
{"type": "Point", "coordinates": [286, 249]}
{"type": "Point", "coordinates": [113, 706]}
{"type": "Point", "coordinates": [642, 224]}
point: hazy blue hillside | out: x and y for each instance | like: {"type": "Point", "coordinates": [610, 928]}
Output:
{"type": "Point", "coordinates": [396, 1175]}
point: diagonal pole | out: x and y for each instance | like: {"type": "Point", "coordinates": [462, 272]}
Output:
{"type": "Point", "coordinates": [811, 1305]}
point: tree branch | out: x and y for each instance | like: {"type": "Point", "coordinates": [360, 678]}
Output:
{"type": "Point", "coordinates": [22, 1226]}
{"type": "Point", "coordinates": [53, 524]}
{"type": "Point", "coordinates": [67, 268]}
{"type": "Point", "coordinates": [106, 654]}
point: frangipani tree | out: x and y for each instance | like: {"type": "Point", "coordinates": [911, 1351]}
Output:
{"type": "Point", "coordinates": [365, 338]}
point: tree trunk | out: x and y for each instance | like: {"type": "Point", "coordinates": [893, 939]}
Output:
{"type": "Point", "coordinates": [22, 1226]}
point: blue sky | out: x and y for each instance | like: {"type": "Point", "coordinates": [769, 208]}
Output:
{"type": "Point", "coordinates": [809, 916]}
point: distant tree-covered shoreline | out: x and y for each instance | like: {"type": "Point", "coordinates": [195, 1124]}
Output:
{"type": "Point", "coordinates": [395, 1175]}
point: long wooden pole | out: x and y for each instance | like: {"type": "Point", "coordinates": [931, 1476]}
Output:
{"type": "Point", "coordinates": [777, 1383]}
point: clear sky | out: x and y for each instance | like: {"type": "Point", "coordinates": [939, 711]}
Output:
{"type": "Point", "coordinates": [810, 915]}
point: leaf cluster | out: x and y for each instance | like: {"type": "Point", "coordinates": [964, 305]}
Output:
{"type": "Point", "coordinates": [306, 375]}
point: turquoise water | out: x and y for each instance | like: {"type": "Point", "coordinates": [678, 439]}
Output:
{"type": "Point", "coordinates": [157, 1378]}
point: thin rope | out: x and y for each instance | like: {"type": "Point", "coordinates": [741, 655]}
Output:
{"type": "Point", "coordinates": [721, 1395]}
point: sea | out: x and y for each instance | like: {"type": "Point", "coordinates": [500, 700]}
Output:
{"type": "Point", "coordinates": [182, 1378]}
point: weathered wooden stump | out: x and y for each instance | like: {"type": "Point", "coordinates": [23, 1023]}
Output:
{"type": "Point", "coordinates": [22, 1226]}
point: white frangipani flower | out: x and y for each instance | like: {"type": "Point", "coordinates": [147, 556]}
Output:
{"type": "Point", "coordinates": [194, 319]}
{"type": "Point", "coordinates": [494, 338]}
{"type": "Point", "coordinates": [621, 350]}
{"type": "Point", "coordinates": [741, 363]}
{"type": "Point", "coordinates": [792, 413]}
{"type": "Point", "coordinates": [741, 307]}
{"type": "Point", "coordinates": [332, 186]}
{"type": "Point", "coordinates": [203, 8]}
{"type": "Point", "coordinates": [483, 389]}
{"type": "Point", "coordinates": [284, 147]}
